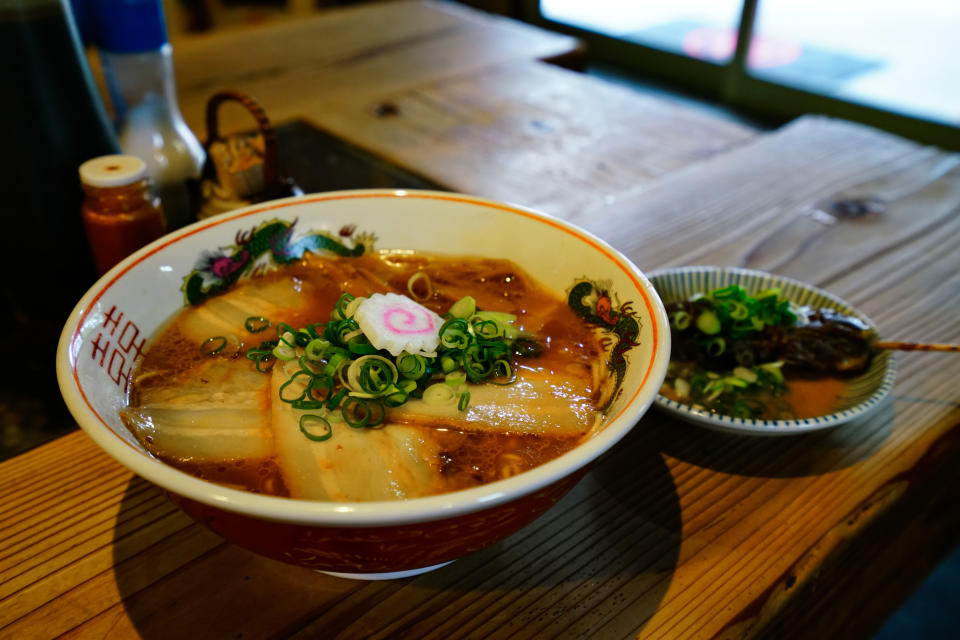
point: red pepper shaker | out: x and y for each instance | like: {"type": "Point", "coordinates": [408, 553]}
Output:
{"type": "Point", "coordinates": [120, 213]}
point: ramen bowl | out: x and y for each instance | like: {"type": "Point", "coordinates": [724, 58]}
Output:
{"type": "Point", "coordinates": [109, 329]}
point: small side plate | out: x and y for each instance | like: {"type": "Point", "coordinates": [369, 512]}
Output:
{"type": "Point", "coordinates": [866, 390]}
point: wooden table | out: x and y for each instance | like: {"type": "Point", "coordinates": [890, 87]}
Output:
{"type": "Point", "coordinates": [677, 532]}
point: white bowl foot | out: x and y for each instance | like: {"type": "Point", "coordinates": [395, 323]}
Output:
{"type": "Point", "coordinates": [392, 575]}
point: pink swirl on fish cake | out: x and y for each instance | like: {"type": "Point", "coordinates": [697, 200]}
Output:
{"type": "Point", "coordinates": [408, 324]}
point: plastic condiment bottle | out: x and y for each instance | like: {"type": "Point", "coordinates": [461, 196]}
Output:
{"type": "Point", "coordinates": [51, 120]}
{"type": "Point", "coordinates": [120, 214]}
{"type": "Point", "coordinates": [138, 66]}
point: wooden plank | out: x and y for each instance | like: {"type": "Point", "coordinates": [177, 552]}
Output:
{"type": "Point", "coordinates": [455, 96]}
{"type": "Point", "coordinates": [759, 518]}
{"type": "Point", "coordinates": [532, 134]}
{"type": "Point", "coordinates": [677, 532]}
{"type": "Point", "coordinates": [900, 266]}
{"type": "Point", "coordinates": [297, 67]}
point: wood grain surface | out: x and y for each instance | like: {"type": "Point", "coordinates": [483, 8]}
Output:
{"type": "Point", "coordinates": [535, 134]}
{"type": "Point", "coordinates": [678, 532]}
{"type": "Point", "coordinates": [455, 96]}
{"type": "Point", "coordinates": [348, 56]}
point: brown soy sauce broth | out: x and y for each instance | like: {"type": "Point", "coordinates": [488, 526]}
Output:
{"type": "Point", "coordinates": [465, 459]}
{"type": "Point", "coordinates": [257, 475]}
{"type": "Point", "coordinates": [471, 459]}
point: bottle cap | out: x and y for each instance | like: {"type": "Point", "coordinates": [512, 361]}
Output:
{"type": "Point", "coordinates": [128, 26]}
{"type": "Point", "coordinates": [113, 171]}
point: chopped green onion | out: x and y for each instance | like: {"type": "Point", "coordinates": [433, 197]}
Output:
{"type": "Point", "coordinates": [269, 360]}
{"type": "Point", "coordinates": [773, 370]}
{"type": "Point", "coordinates": [455, 334]}
{"type": "Point", "coordinates": [438, 394]}
{"type": "Point", "coordinates": [309, 425]}
{"type": "Point", "coordinates": [502, 369]}
{"type": "Point", "coordinates": [527, 348]}
{"type": "Point", "coordinates": [339, 309]}
{"type": "Point", "coordinates": [308, 405]}
{"type": "Point", "coordinates": [350, 335]}
{"type": "Point", "coordinates": [716, 346]}
{"type": "Point", "coordinates": [411, 286]}
{"type": "Point", "coordinates": [464, 307]}
{"type": "Point", "coordinates": [476, 367]}
{"type": "Point", "coordinates": [487, 329]}
{"type": "Point", "coordinates": [312, 367]}
{"type": "Point", "coordinates": [321, 382]}
{"type": "Point", "coordinates": [286, 334]}
{"type": "Point", "coordinates": [333, 364]}
{"type": "Point", "coordinates": [361, 346]}
{"type": "Point", "coordinates": [303, 392]}
{"type": "Point", "coordinates": [739, 311]}
{"type": "Point", "coordinates": [344, 330]}
{"type": "Point", "coordinates": [708, 323]}
{"type": "Point", "coordinates": [333, 370]}
{"type": "Point", "coordinates": [733, 291]}
{"type": "Point", "coordinates": [284, 352]}
{"type": "Point", "coordinates": [334, 400]}
{"type": "Point", "coordinates": [448, 364]}
{"type": "Point", "coordinates": [372, 374]}
{"type": "Point", "coordinates": [456, 378]}
{"type": "Point", "coordinates": [351, 307]}
{"type": "Point", "coordinates": [679, 320]}
{"type": "Point", "coordinates": [503, 320]}
{"type": "Point", "coordinates": [213, 346]}
{"type": "Point", "coordinates": [362, 412]}
{"type": "Point", "coordinates": [411, 366]}
{"type": "Point", "coordinates": [734, 381]}
{"type": "Point", "coordinates": [395, 396]}
{"type": "Point", "coordinates": [256, 324]}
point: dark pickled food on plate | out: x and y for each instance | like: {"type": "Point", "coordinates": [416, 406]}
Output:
{"type": "Point", "coordinates": [821, 340]}
{"type": "Point", "coordinates": [761, 356]}
{"type": "Point", "coordinates": [829, 342]}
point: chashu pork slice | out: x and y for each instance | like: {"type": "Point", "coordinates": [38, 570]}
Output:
{"type": "Point", "coordinates": [386, 463]}
{"type": "Point", "coordinates": [218, 409]}
{"type": "Point", "coordinates": [539, 402]}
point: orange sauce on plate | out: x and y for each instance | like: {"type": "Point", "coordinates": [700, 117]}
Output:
{"type": "Point", "coordinates": [815, 397]}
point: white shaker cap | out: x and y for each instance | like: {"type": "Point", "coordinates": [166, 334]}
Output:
{"type": "Point", "coordinates": [113, 171]}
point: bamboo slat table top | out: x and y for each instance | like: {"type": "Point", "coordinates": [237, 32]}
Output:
{"type": "Point", "coordinates": [678, 532]}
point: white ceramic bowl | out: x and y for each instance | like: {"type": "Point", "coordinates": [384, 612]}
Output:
{"type": "Point", "coordinates": [105, 333]}
{"type": "Point", "coordinates": [866, 390]}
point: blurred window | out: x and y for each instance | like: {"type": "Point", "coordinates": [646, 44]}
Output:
{"type": "Point", "coordinates": [704, 29]}
{"type": "Point", "coordinates": [902, 56]}
{"type": "Point", "coordinates": [888, 63]}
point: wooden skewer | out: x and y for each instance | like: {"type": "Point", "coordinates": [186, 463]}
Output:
{"type": "Point", "coordinates": [915, 346]}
